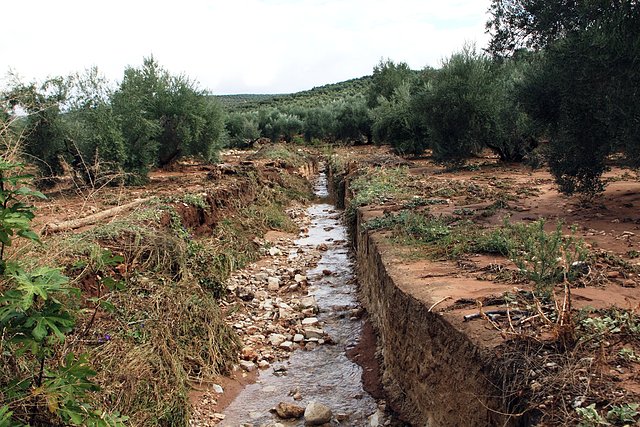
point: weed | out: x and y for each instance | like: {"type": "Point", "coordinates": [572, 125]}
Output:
{"type": "Point", "coordinates": [197, 200]}
{"type": "Point", "coordinates": [37, 312]}
{"type": "Point", "coordinates": [464, 212]}
{"type": "Point", "coordinates": [377, 185]}
{"type": "Point", "coordinates": [418, 201]}
{"type": "Point", "coordinates": [623, 414]}
{"type": "Point", "coordinates": [609, 322]}
{"type": "Point", "coordinates": [589, 416]}
{"type": "Point", "coordinates": [545, 258]}
{"type": "Point", "coordinates": [280, 152]}
{"type": "Point", "coordinates": [618, 415]}
{"type": "Point", "coordinates": [629, 354]}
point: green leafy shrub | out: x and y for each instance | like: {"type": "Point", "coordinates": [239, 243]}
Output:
{"type": "Point", "coordinates": [36, 314]}
{"type": "Point", "coordinates": [376, 185]}
{"type": "Point", "coordinates": [546, 258]}
{"type": "Point", "coordinates": [469, 105]}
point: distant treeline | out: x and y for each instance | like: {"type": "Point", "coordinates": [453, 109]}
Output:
{"type": "Point", "coordinates": [559, 83]}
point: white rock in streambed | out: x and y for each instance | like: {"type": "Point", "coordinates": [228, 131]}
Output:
{"type": "Point", "coordinates": [247, 365]}
{"type": "Point", "coordinates": [274, 251]}
{"type": "Point", "coordinates": [277, 339]}
{"type": "Point", "coordinates": [316, 414]}
{"type": "Point", "coordinates": [311, 332]}
{"type": "Point", "coordinates": [309, 321]}
{"type": "Point", "coordinates": [273, 283]}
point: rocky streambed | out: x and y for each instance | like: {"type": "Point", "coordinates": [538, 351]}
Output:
{"type": "Point", "coordinates": [297, 314]}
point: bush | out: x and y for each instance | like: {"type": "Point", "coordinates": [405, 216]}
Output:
{"type": "Point", "coordinates": [242, 129]}
{"type": "Point", "coordinates": [36, 314]}
{"type": "Point", "coordinates": [353, 121]}
{"type": "Point", "coordinates": [545, 258]}
{"type": "Point", "coordinates": [583, 89]}
{"type": "Point", "coordinates": [164, 117]}
{"type": "Point", "coordinates": [46, 132]}
{"type": "Point", "coordinates": [394, 123]}
{"type": "Point", "coordinates": [469, 105]}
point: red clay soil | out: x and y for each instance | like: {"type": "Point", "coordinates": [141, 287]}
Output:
{"type": "Point", "coordinates": [609, 225]}
{"type": "Point", "coordinates": [364, 354]}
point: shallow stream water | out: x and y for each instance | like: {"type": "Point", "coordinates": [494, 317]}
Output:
{"type": "Point", "coordinates": [325, 374]}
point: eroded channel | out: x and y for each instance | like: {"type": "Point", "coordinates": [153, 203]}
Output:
{"type": "Point", "coordinates": [324, 374]}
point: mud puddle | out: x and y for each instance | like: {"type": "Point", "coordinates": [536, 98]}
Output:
{"type": "Point", "coordinates": [324, 374]}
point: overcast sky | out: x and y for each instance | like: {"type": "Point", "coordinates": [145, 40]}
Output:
{"type": "Point", "coordinates": [236, 46]}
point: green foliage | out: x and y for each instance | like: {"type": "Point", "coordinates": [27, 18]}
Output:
{"type": "Point", "coordinates": [35, 318]}
{"type": "Point", "coordinates": [375, 186]}
{"type": "Point", "coordinates": [456, 106]}
{"type": "Point", "coordinates": [288, 156]}
{"type": "Point", "coordinates": [5, 417]}
{"type": "Point", "coordinates": [242, 129]}
{"type": "Point", "coordinates": [629, 354]}
{"type": "Point", "coordinates": [625, 414]}
{"type": "Point", "coordinates": [44, 128]}
{"type": "Point", "coordinates": [319, 123]}
{"type": "Point", "coordinates": [133, 104]}
{"type": "Point", "coordinates": [165, 117]}
{"type": "Point", "coordinates": [65, 390]}
{"type": "Point", "coordinates": [387, 78]}
{"type": "Point", "coordinates": [582, 90]}
{"type": "Point", "coordinates": [589, 416]}
{"type": "Point", "coordinates": [70, 121]}
{"type": "Point", "coordinates": [321, 95]}
{"type": "Point", "coordinates": [353, 121]}
{"type": "Point", "coordinates": [444, 235]}
{"type": "Point", "coordinates": [33, 311]}
{"type": "Point", "coordinates": [468, 106]}
{"type": "Point", "coordinates": [394, 123]}
{"type": "Point", "coordinates": [283, 126]}
{"type": "Point", "coordinates": [612, 321]}
{"type": "Point", "coordinates": [419, 226]}
{"type": "Point", "coordinates": [97, 149]}
{"type": "Point", "coordinates": [546, 258]}
{"type": "Point", "coordinates": [15, 214]}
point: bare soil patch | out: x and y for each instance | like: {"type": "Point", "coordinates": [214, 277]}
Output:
{"type": "Point", "coordinates": [557, 376]}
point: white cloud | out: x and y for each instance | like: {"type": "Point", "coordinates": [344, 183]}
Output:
{"type": "Point", "coordinates": [233, 46]}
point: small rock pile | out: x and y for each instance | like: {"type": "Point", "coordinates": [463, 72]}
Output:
{"type": "Point", "coordinates": [270, 308]}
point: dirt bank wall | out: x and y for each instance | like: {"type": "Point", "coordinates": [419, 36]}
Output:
{"type": "Point", "coordinates": [433, 373]}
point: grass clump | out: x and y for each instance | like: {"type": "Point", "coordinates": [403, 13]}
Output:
{"type": "Point", "coordinates": [149, 311]}
{"type": "Point", "coordinates": [377, 185]}
{"type": "Point", "coordinates": [546, 258]}
{"type": "Point", "coordinates": [288, 156]}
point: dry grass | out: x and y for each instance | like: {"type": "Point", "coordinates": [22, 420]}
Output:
{"type": "Point", "coordinates": [161, 337]}
{"type": "Point", "coordinates": [148, 316]}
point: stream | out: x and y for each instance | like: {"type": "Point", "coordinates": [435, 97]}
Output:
{"type": "Point", "coordinates": [325, 374]}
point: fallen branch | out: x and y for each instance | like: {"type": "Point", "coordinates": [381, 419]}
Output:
{"type": "Point", "coordinates": [438, 302]}
{"type": "Point", "coordinates": [492, 313]}
{"type": "Point", "coordinates": [54, 227]}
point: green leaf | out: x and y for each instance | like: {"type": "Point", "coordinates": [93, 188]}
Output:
{"type": "Point", "coordinates": [26, 191]}
{"type": "Point", "coordinates": [40, 331]}
{"type": "Point", "coordinates": [29, 234]}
